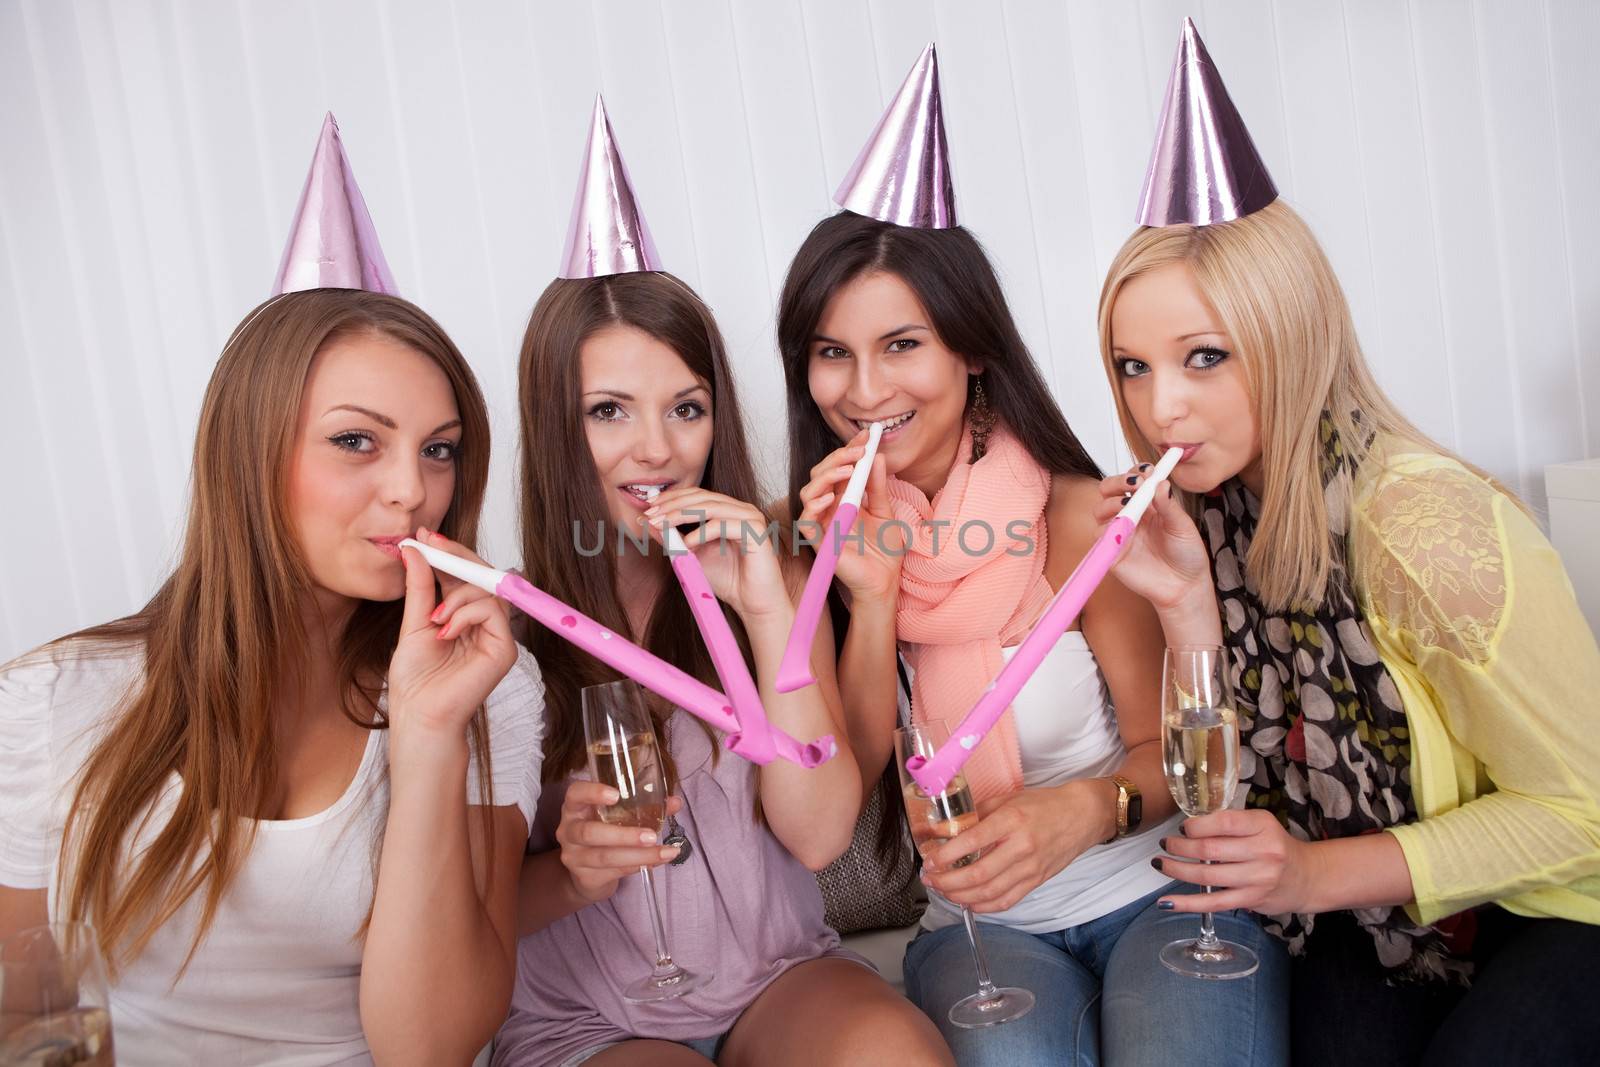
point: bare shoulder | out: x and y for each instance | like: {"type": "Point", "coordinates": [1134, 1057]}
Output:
{"type": "Point", "coordinates": [1070, 512]}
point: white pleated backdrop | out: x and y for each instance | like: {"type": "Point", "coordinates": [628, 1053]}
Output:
{"type": "Point", "coordinates": [151, 152]}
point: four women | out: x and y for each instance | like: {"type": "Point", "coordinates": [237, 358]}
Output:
{"type": "Point", "coordinates": [316, 813]}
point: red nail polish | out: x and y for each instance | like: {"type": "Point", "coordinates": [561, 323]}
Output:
{"type": "Point", "coordinates": [436, 613]}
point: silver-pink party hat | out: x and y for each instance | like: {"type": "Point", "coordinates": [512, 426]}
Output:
{"type": "Point", "coordinates": [1204, 167]}
{"type": "Point", "coordinates": [332, 244]}
{"type": "Point", "coordinates": [903, 174]}
{"type": "Point", "coordinates": [608, 234]}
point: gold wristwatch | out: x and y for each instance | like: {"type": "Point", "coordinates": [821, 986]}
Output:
{"type": "Point", "coordinates": [1130, 807]}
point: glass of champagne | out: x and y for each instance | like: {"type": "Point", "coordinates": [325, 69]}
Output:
{"type": "Point", "coordinates": [934, 820]}
{"type": "Point", "coordinates": [623, 754]}
{"type": "Point", "coordinates": [1200, 755]}
{"type": "Point", "coordinates": [54, 1007]}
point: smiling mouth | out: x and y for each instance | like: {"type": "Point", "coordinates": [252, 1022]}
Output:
{"type": "Point", "coordinates": [889, 425]}
{"type": "Point", "coordinates": [646, 491]}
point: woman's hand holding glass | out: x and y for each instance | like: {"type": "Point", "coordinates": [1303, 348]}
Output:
{"type": "Point", "coordinates": [948, 816]}
{"type": "Point", "coordinates": [1022, 840]}
{"type": "Point", "coordinates": [597, 855]}
{"type": "Point", "coordinates": [1249, 857]}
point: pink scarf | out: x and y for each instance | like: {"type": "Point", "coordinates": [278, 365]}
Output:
{"type": "Point", "coordinates": [958, 608]}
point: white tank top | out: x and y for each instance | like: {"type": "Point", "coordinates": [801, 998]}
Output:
{"type": "Point", "coordinates": [1067, 729]}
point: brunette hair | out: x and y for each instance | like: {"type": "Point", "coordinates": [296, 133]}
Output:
{"type": "Point", "coordinates": [561, 493]}
{"type": "Point", "coordinates": [954, 281]}
{"type": "Point", "coordinates": [222, 631]}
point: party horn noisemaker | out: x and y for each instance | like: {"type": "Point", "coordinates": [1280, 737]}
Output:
{"type": "Point", "coordinates": [933, 774]}
{"type": "Point", "coordinates": [794, 671]}
{"type": "Point", "coordinates": [753, 739]}
{"type": "Point", "coordinates": [649, 670]}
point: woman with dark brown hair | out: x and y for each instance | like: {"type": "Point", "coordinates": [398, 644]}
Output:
{"type": "Point", "coordinates": [270, 790]}
{"type": "Point", "coordinates": [980, 503]}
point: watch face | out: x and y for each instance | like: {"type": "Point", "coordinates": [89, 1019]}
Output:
{"type": "Point", "coordinates": [1135, 811]}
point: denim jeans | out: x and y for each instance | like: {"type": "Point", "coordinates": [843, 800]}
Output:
{"type": "Point", "coordinates": [1104, 996]}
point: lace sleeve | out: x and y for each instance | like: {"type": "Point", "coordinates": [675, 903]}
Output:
{"type": "Point", "coordinates": [1503, 670]}
{"type": "Point", "coordinates": [1430, 548]}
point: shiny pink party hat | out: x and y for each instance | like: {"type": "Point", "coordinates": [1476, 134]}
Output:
{"type": "Point", "coordinates": [903, 174]}
{"type": "Point", "coordinates": [332, 244]}
{"type": "Point", "coordinates": [608, 234]}
{"type": "Point", "coordinates": [1204, 167]}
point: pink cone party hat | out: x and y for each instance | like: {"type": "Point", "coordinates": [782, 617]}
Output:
{"type": "Point", "coordinates": [332, 244]}
{"type": "Point", "coordinates": [608, 234]}
{"type": "Point", "coordinates": [1204, 167]}
{"type": "Point", "coordinates": [903, 174]}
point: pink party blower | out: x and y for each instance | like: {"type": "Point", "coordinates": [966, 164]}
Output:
{"type": "Point", "coordinates": [650, 671]}
{"type": "Point", "coordinates": [934, 774]}
{"type": "Point", "coordinates": [754, 740]}
{"type": "Point", "coordinates": [794, 671]}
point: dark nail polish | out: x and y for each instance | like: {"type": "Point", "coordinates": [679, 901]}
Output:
{"type": "Point", "coordinates": [1133, 479]}
{"type": "Point", "coordinates": [1144, 466]}
{"type": "Point", "coordinates": [1164, 846]}
{"type": "Point", "coordinates": [1183, 829]}
{"type": "Point", "coordinates": [1165, 905]}
{"type": "Point", "coordinates": [1126, 497]}
{"type": "Point", "coordinates": [1155, 861]}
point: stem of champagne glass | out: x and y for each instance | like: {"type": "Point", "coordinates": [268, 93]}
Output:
{"type": "Point", "coordinates": [663, 957]}
{"type": "Point", "coordinates": [985, 986]}
{"type": "Point", "coordinates": [1208, 934]}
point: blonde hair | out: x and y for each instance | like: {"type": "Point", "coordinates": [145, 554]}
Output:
{"type": "Point", "coordinates": [1276, 295]}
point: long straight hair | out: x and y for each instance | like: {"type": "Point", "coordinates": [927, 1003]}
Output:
{"type": "Point", "coordinates": [561, 493]}
{"type": "Point", "coordinates": [226, 629]}
{"type": "Point", "coordinates": [953, 279]}
{"type": "Point", "coordinates": [1277, 297]}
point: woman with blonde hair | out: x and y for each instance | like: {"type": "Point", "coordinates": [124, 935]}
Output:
{"type": "Point", "coordinates": [1414, 681]}
{"type": "Point", "coordinates": [290, 792]}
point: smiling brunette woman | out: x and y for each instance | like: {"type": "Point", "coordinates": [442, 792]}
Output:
{"type": "Point", "coordinates": [909, 326]}
{"type": "Point", "coordinates": [270, 789]}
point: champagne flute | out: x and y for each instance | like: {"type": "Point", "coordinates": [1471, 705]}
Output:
{"type": "Point", "coordinates": [624, 755]}
{"type": "Point", "coordinates": [54, 1006]}
{"type": "Point", "coordinates": [936, 819]}
{"type": "Point", "coordinates": [1200, 755]}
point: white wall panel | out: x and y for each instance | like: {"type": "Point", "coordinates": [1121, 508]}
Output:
{"type": "Point", "coordinates": [1444, 151]}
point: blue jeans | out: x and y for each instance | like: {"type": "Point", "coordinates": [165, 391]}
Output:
{"type": "Point", "coordinates": [1104, 995]}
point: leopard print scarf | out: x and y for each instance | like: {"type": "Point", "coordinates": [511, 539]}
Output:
{"type": "Point", "coordinates": [1325, 746]}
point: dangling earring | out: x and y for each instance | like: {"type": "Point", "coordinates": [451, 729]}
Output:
{"type": "Point", "coordinates": [981, 418]}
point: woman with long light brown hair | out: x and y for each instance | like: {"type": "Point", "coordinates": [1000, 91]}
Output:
{"type": "Point", "coordinates": [1414, 683]}
{"type": "Point", "coordinates": [290, 792]}
{"type": "Point", "coordinates": [630, 421]}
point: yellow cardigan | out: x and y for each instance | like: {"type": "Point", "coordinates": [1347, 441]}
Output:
{"type": "Point", "coordinates": [1499, 673]}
